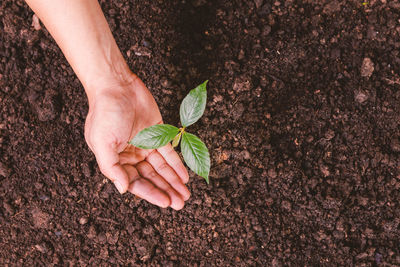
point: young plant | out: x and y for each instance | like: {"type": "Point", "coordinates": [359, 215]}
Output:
{"type": "Point", "coordinates": [194, 151]}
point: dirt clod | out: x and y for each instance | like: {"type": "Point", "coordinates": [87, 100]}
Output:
{"type": "Point", "coordinates": [241, 84]}
{"type": "Point", "coordinates": [360, 96]}
{"type": "Point", "coordinates": [4, 170]}
{"type": "Point", "coordinates": [41, 248]}
{"type": "Point", "coordinates": [324, 170]}
{"type": "Point", "coordinates": [272, 173]}
{"type": "Point", "coordinates": [367, 67]}
{"type": "Point", "coordinates": [40, 218]}
{"type": "Point", "coordinates": [332, 7]}
{"type": "Point", "coordinates": [45, 106]}
{"type": "Point", "coordinates": [329, 134]}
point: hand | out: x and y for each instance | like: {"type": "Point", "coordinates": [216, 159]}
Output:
{"type": "Point", "coordinates": [119, 104]}
{"type": "Point", "coordinates": [117, 112]}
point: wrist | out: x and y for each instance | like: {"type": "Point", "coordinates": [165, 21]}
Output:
{"type": "Point", "coordinates": [114, 79]}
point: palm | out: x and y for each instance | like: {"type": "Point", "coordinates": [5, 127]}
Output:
{"type": "Point", "coordinates": [116, 117]}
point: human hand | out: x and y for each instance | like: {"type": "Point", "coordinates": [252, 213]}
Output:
{"type": "Point", "coordinates": [119, 104]}
{"type": "Point", "coordinates": [117, 112]}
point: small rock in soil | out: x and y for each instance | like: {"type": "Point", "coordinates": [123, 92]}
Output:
{"type": "Point", "coordinates": [218, 98]}
{"type": "Point", "coordinates": [241, 54]}
{"type": "Point", "coordinates": [207, 200]}
{"type": "Point", "coordinates": [257, 228]}
{"type": "Point", "coordinates": [92, 232]}
{"type": "Point", "coordinates": [46, 107]}
{"type": "Point", "coordinates": [241, 84]}
{"type": "Point", "coordinates": [324, 170]}
{"type": "Point", "coordinates": [221, 157]}
{"type": "Point", "coordinates": [360, 96]}
{"type": "Point", "coordinates": [367, 67]}
{"type": "Point", "coordinates": [101, 238]}
{"type": "Point", "coordinates": [272, 173]}
{"type": "Point", "coordinates": [169, 246]}
{"type": "Point", "coordinates": [395, 145]}
{"type": "Point", "coordinates": [36, 22]}
{"type": "Point", "coordinates": [140, 51]}
{"type": "Point", "coordinates": [83, 220]}
{"type": "Point", "coordinates": [4, 171]}
{"type": "Point", "coordinates": [245, 154]}
{"type": "Point", "coordinates": [41, 248]}
{"type": "Point", "coordinates": [165, 82]}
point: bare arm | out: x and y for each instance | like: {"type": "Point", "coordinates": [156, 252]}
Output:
{"type": "Point", "coordinates": [81, 30]}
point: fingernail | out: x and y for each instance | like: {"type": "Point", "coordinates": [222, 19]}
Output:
{"type": "Point", "coordinates": [119, 187]}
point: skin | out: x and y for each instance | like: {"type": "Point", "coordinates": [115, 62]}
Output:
{"type": "Point", "coordinates": [120, 105]}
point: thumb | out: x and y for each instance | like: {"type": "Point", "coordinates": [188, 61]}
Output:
{"type": "Point", "coordinates": [108, 160]}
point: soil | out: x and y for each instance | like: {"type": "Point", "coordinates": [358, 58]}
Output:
{"type": "Point", "coordinates": [302, 124]}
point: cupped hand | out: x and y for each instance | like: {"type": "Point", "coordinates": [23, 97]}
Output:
{"type": "Point", "coordinates": [117, 112]}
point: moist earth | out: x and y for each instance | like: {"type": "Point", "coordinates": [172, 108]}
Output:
{"type": "Point", "coordinates": [302, 124]}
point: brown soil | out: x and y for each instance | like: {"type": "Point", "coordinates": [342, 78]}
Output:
{"type": "Point", "coordinates": [302, 124]}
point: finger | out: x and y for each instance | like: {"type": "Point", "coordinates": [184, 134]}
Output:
{"type": "Point", "coordinates": [147, 171]}
{"type": "Point", "coordinates": [133, 155]}
{"type": "Point", "coordinates": [146, 189]}
{"type": "Point", "coordinates": [173, 159]}
{"type": "Point", "coordinates": [164, 170]}
{"type": "Point", "coordinates": [109, 165]}
{"type": "Point", "coordinates": [132, 173]}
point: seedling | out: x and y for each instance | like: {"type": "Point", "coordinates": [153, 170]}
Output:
{"type": "Point", "coordinates": [194, 151]}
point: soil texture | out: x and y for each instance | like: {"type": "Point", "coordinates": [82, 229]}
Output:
{"type": "Point", "coordinates": [302, 123]}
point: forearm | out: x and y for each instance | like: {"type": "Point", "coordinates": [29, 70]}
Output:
{"type": "Point", "coordinates": [81, 30]}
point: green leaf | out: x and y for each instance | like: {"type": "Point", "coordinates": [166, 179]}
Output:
{"type": "Point", "coordinates": [155, 136]}
{"type": "Point", "coordinates": [176, 140]}
{"type": "Point", "coordinates": [196, 155]}
{"type": "Point", "coordinates": [193, 105]}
